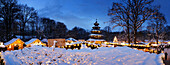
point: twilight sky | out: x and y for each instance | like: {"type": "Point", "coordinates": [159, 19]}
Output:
{"type": "Point", "coordinates": [82, 13]}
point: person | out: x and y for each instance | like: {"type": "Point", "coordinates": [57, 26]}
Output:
{"type": "Point", "coordinates": [166, 54]}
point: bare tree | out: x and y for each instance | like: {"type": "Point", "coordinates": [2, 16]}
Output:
{"type": "Point", "coordinates": [158, 24]}
{"type": "Point", "coordinates": [27, 14]}
{"type": "Point", "coordinates": [107, 29]}
{"type": "Point", "coordinates": [150, 30]}
{"type": "Point", "coordinates": [132, 14]}
{"type": "Point", "coordinates": [107, 33]}
{"type": "Point", "coordinates": [120, 17]}
{"type": "Point", "coordinates": [8, 14]}
{"type": "Point", "coordinates": [141, 11]}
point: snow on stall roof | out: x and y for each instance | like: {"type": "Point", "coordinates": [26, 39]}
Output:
{"type": "Point", "coordinates": [75, 43]}
{"type": "Point", "coordinates": [96, 39]}
{"type": "Point", "coordinates": [44, 40]}
{"type": "Point", "coordinates": [11, 41]}
{"type": "Point", "coordinates": [30, 41]}
{"type": "Point", "coordinates": [71, 39]}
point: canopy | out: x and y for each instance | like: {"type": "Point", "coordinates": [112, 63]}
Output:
{"type": "Point", "coordinates": [11, 41]}
{"type": "Point", "coordinates": [71, 39]}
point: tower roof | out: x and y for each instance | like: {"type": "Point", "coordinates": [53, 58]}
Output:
{"type": "Point", "coordinates": [96, 23]}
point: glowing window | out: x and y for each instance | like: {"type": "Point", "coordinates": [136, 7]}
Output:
{"type": "Point", "coordinates": [1, 43]}
{"type": "Point", "coordinates": [9, 46]}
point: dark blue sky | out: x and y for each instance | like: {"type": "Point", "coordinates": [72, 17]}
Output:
{"type": "Point", "coordinates": [82, 13]}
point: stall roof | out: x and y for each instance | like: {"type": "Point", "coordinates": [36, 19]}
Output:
{"type": "Point", "coordinates": [71, 39]}
{"type": "Point", "coordinates": [96, 40]}
{"type": "Point", "coordinates": [44, 40]}
{"type": "Point", "coordinates": [11, 41]}
{"type": "Point", "coordinates": [30, 41]}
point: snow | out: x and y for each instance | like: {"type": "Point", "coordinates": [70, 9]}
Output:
{"type": "Point", "coordinates": [96, 26]}
{"type": "Point", "coordinates": [95, 34]}
{"type": "Point", "coordinates": [154, 44]}
{"type": "Point", "coordinates": [71, 39]}
{"type": "Point", "coordinates": [95, 30]}
{"type": "Point", "coordinates": [2, 46]}
{"type": "Point", "coordinates": [68, 43]}
{"type": "Point", "coordinates": [44, 40]}
{"type": "Point", "coordinates": [85, 56]}
{"type": "Point", "coordinates": [74, 43]}
{"type": "Point", "coordinates": [11, 41]}
{"type": "Point", "coordinates": [30, 41]}
{"type": "Point", "coordinates": [96, 40]}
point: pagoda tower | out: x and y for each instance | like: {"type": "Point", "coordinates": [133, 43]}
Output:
{"type": "Point", "coordinates": [96, 33]}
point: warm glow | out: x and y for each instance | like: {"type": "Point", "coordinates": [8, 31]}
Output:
{"type": "Point", "coordinates": [115, 39]}
{"type": "Point", "coordinates": [1, 43]}
{"type": "Point", "coordinates": [9, 46]}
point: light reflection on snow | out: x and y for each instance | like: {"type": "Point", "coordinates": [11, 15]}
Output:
{"type": "Point", "coordinates": [103, 55]}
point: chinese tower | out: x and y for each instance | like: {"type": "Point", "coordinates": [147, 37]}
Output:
{"type": "Point", "coordinates": [96, 33]}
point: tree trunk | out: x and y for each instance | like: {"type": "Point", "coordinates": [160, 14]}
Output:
{"type": "Point", "coordinates": [135, 33]}
{"type": "Point", "coordinates": [7, 30]}
{"type": "Point", "coordinates": [157, 33]}
{"type": "Point", "coordinates": [23, 31]}
{"type": "Point", "coordinates": [157, 37]}
{"type": "Point", "coordinates": [128, 32]}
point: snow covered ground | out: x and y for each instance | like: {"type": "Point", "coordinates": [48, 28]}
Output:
{"type": "Point", "coordinates": [101, 56]}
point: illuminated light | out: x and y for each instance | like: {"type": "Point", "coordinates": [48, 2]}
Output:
{"type": "Point", "coordinates": [1, 43]}
{"type": "Point", "coordinates": [94, 45]}
{"type": "Point", "coordinates": [115, 39]}
{"type": "Point", "coordinates": [9, 46]}
{"type": "Point", "coordinates": [71, 41]}
{"type": "Point", "coordinates": [88, 44]}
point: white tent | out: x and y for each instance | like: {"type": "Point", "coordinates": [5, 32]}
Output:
{"type": "Point", "coordinates": [71, 39]}
{"type": "Point", "coordinates": [44, 40]}
{"type": "Point", "coordinates": [96, 39]}
{"type": "Point", "coordinates": [2, 45]}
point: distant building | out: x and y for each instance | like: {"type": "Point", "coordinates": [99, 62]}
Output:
{"type": "Point", "coordinates": [34, 41]}
{"type": "Point", "coordinates": [58, 42]}
{"type": "Point", "coordinates": [96, 35]}
{"type": "Point", "coordinates": [14, 43]}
